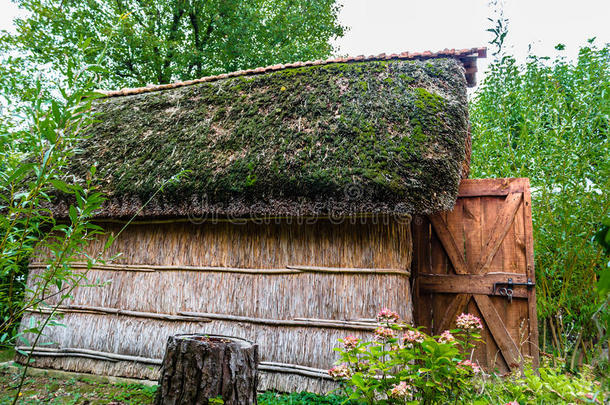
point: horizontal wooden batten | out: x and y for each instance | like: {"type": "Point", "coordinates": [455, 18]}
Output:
{"type": "Point", "coordinates": [114, 357]}
{"type": "Point", "coordinates": [95, 354]}
{"type": "Point", "coordinates": [472, 283]}
{"type": "Point", "coordinates": [296, 269]}
{"type": "Point", "coordinates": [304, 322]}
{"type": "Point", "coordinates": [348, 270]}
{"type": "Point", "coordinates": [83, 309]}
{"type": "Point", "coordinates": [490, 187]}
{"type": "Point", "coordinates": [293, 369]}
{"type": "Point", "coordinates": [184, 316]}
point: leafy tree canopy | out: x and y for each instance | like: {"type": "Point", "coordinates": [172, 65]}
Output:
{"type": "Point", "coordinates": [158, 41]}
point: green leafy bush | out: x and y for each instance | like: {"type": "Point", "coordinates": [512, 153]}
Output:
{"type": "Point", "coordinates": [35, 153]}
{"type": "Point", "coordinates": [37, 141]}
{"type": "Point", "coordinates": [404, 365]}
{"type": "Point", "coordinates": [546, 386]}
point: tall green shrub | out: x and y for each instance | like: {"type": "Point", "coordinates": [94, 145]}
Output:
{"type": "Point", "coordinates": [549, 120]}
{"type": "Point", "coordinates": [37, 141]}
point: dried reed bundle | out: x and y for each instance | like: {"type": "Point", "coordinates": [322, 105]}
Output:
{"type": "Point", "coordinates": [293, 288]}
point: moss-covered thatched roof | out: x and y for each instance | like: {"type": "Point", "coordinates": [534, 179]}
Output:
{"type": "Point", "coordinates": [342, 138]}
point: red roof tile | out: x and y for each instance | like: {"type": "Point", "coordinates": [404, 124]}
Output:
{"type": "Point", "coordinates": [468, 57]}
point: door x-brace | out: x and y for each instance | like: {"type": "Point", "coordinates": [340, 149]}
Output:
{"type": "Point", "coordinates": [494, 322]}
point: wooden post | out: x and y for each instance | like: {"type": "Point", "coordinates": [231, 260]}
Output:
{"type": "Point", "coordinates": [197, 368]}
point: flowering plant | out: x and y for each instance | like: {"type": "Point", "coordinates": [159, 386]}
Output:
{"type": "Point", "coordinates": [401, 364]}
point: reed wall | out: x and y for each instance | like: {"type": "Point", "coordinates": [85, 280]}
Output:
{"type": "Point", "coordinates": [294, 288]}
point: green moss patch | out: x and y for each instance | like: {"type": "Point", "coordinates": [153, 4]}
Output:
{"type": "Point", "coordinates": [286, 141]}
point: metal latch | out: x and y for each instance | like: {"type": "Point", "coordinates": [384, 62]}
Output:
{"type": "Point", "coordinates": [508, 287]}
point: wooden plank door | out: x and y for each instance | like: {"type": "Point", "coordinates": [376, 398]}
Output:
{"type": "Point", "coordinates": [465, 259]}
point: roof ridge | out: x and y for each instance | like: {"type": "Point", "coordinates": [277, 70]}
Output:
{"type": "Point", "coordinates": [468, 58]}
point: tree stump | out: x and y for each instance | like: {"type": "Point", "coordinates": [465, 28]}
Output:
{"type": "Point", "coordinates": [197, 368]}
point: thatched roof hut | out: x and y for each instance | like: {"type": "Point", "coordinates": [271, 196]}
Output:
{"type": "Point", "coordinates": [335, 156]}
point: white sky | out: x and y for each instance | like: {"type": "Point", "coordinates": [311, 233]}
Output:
{"type": "Point", "coordinates": [391, 26]}
{"type": "Point", "coordinates": [394, 26]}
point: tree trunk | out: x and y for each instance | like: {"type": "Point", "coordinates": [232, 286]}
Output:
{"type": "Point", "coordinates": [197, 368]}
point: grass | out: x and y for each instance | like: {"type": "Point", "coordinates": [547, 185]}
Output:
{"type": "Point", "coordinates": [45, 389]}
{"type": "Point", "coordinates": [82, 390]}
{"type": "Point", "coordinates": [298, 398]}
{"type": "Point", "coordinates": [7, 355]}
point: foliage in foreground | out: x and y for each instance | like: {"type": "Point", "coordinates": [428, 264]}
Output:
{"type": "Point", "coordinates": [550, 121]}
{"type": "Point", "coordinates": [35, 147]}
{"type": "Point", "coordinates": [403, 365]}
{"type": "Point", "coordinates": [35, 153]}
{"type": "Point", "coordinates": [37, 141]}
{"type": "Point", "coordinates": [548, 386]}
{"type": "Point", "coordinates": [551, 387]}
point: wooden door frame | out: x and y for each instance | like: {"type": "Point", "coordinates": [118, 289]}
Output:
{"type": "Point", "coordinates": [473, 282]}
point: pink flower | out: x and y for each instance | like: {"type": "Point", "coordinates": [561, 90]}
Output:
{"type": "Point", "coordinates": [446, 337]}
{"type": "Point", "coordinates": [350, 342]}
{"type": "Point", "coordinates": [387, 316]}
{"type": "Point", "coordinates": [591, 397]}
{"type": "Point", "coordinates": [340, 372]}
{"type": "Point", "coordinates": [384, 334]}
{"type": "Point", "coordinates": [512, 403]}
{"type": "Point", "coordinates": [413, 336]}
{"type": "Point", "coordinates": [469, 365]}
{"type": "Point", "coordinates": [468, 322]}
{"type": "Point", "coordinates": [400, 390]}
